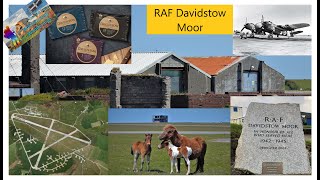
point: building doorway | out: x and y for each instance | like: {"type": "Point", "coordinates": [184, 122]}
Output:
{"type": "Point", "coordinates": [176, 76]}
{"type": "Point", "coordinates": [250, 81]}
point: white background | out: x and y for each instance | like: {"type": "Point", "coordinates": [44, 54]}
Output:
{"type": "Point", "coordinates": [132, 2]}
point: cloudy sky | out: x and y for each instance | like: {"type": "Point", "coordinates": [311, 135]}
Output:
{"type": "Point", "coordinates": [242, 101]}
{"type": "Point", "coordinates": [278, 14]}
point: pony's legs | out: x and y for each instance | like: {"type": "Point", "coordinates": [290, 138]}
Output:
{"type": "Point", "coordinates": [188, 163]}
{"type": "Point", "coordinates": [203, 153]}
{"type": "Point", "coordinates": [172, 160]}
{"type": "Point", "coordinates": [185, 163]}
{"type": "Point", "coordinates": [148, 162]}
{"type": "Point", "coordinates": [135, 159]}
{"type": "Point", "coordinates": [142, 162]}
{"type": "Point", "coordinates": [201, 164]}
{"type": "Point", "coordinates": [198, 164]}
{"type": "Point", "coordinates": [178, 165]}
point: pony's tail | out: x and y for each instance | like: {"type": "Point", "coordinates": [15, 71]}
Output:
{"type": "Point", "coordinates": [131, 151]}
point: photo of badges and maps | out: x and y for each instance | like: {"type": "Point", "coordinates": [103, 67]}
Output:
{"type": "Point", "coordinates": [89, 35]}
{"type": "Point", "coordinates": [27, 23]}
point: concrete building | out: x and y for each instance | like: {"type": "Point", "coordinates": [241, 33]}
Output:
{"type": "Point", "coordinates": [219, 75]}
{"type": "Point", "coordinates": [240, 74]}
{"type": "Point", "coordinates": [236, 115]}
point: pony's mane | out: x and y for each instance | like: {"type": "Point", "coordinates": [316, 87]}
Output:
{"type": "Point", "coordinates": [169, 126]}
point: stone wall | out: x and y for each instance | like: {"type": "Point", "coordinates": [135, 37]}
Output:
{"type": "Point", "coordinates": [139, 91]}
{"type": "Point", "coordinates": [211, 100]}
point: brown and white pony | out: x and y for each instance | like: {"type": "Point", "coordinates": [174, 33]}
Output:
{"type": "Point", "coordinates": [175, 152]}
{"type": "Point", "coordinates": [197, 144]}
{"type": "Point", "coordinates": [141, 148]}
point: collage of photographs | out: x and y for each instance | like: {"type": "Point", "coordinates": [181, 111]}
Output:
{"type": "Point", "coordinates": [92, 93]}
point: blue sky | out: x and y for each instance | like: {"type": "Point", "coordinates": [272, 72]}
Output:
{"type": "Point", "coordinates": [292, 67]}
{"type": "Point", "coordinates": [203, 115]}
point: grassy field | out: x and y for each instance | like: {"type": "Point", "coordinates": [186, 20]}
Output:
{"type": "Point", "coordinates": [217, 159]}
{"type": "Point", "coordinates": [12, 153]}
{"type": "Point", "coordinates": [298, 84]}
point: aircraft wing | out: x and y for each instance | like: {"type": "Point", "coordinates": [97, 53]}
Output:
{"type": "Point", "coordinates": [300, 25]}
{"type": "Point", "coordinates": [281, 28]}
{"type": "Point", "coordinates": [290, 27]}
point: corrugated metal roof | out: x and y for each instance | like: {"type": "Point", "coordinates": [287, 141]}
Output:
{"type": "Point", "coordinates": [140, 62]}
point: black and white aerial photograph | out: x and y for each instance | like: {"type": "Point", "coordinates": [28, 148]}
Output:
{"type": "Point", "coordinates": [272, 30]}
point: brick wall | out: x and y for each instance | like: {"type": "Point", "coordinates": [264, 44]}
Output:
{"type": "Point", "coordinates": [212, 100]}
{"type": "Point", "coordinates": [200, 101]}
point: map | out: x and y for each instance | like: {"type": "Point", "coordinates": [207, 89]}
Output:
{"type": "Point", "coordinates": [58, 137]}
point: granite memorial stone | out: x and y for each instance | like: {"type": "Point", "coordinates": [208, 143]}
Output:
{"type": "Point", "coordinates": [272, 140]}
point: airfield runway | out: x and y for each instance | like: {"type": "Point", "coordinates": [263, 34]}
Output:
{"type": "Point", "coordinates": [299, 45]}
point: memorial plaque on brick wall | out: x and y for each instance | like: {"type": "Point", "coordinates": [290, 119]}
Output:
{"type": "Point", "coordinates": [272, 140]}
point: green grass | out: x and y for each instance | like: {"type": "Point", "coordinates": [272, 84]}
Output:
{"type": "Point", "coordinates": [217, 159]}
{"type": "Point", "coordinates": [91, 91]}
{"type": "Point", "coordinates": [88, 119]}
{"type": "Point", "coordinates": [298, 84]}
{"type": "Point", "coordinates": [12, 153]}
{"type": "Point", "coordinates": [179, 126]}
{"type": "Point", "coordinates": [101, 141]}
{"type": "Point", "coordinates": [306, 126]}
{"type": "Point", "coordinates": [70, 110]}
{"type": "Point", "coordinates": [101, 114]}
{"type": "Point", "coordinates": [39, 97]}
{"type": "Point", "coordinates": [236, 130]}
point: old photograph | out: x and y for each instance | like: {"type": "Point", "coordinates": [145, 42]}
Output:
{"type": "Point", "coordinates": [272, 30]}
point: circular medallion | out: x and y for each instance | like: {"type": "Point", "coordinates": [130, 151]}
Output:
{"type": "Point", "coordinates": [109, 27]}
{"type": "Point", "coordinates": [66, 23]}
{"type": "Point", "coordinates": [86, 52]}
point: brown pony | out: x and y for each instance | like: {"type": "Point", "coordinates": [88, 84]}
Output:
{"type": "Point", "coordinates": [143, 149]}
{"type": "Point", "coordinates": [197, 144]}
